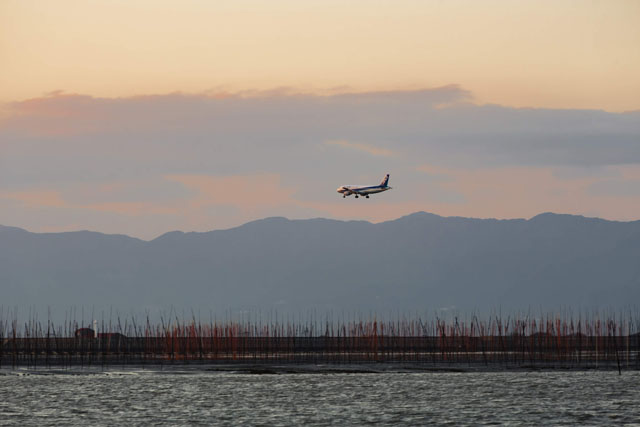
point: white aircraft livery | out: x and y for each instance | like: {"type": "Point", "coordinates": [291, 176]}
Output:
{"type": "Point", "coordinates": [360, 190]}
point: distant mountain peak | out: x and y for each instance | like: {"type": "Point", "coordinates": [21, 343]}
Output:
{"type": "Point", "coordinates": [7, 228]}
{"type": "Point", "coordinates": [551, 217]}
{"type": "Point", "coordinates": [169, 235]}
{"type": "Point", "coordinates": [418, 215]}
{"type": "Point", "coordinates": [417, 262]}
{"type": "Point", "coordinates": [280, 220]}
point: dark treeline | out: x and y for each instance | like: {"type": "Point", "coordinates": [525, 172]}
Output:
{"type": "Point", "coordinates": [595, 340]}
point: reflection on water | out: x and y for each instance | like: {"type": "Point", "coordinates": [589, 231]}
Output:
{"type": "Point", "coordinates": [176, 398]}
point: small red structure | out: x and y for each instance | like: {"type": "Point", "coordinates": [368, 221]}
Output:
{"type": "Point", "coordinates": [85, 333]}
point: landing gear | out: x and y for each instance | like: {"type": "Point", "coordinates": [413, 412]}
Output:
{"type": "Point", "coordinates": [343, 196]}
{"type": "Point", "coordinates": [356, 196]}
{"type": "Point", "coordinates": [367, 196]}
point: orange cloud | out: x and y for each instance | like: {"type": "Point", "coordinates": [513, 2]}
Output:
{"type": "Point", "coordinates": [630, 172]}
{"type": "Point", "coordinates": [35, 198]}
{"type": "Point", "coordinates": [55, 104]}
{"type": "Point", "coordinates": [54, 199]}
{"type": "Point", "coordinates": [131, 208]}
{"type": "Point", "coordinates": [359, 146]}
{"type": "Point", "coordinates": [512, 192]}
{"type": "Point", "coordinates": [56, 114]}
{"type": "Point", "coordinates": [247, 193]}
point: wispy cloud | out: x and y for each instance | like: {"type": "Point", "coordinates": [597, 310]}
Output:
{"type": "Point", "coordinates": [362, 147]}
{"type": "Point", "coordinates": [190, 202]}
{"type": "Point", "coordinates": [35, 198]}
{"type": "Point", "coordinates": [510, 192]}
{"type": "Point", "coordinates": [246, 193]}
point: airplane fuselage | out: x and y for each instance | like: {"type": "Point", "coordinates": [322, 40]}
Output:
{"type": "Point", "coordinates": [362, 190]}
{"type": "Point", "coordinates": [347, 190]}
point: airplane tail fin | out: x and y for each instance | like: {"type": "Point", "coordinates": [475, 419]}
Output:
{"type": "Point", "coordinates": [385, 181]}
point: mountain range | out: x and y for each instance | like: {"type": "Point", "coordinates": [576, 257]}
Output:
{"type": "Point", "coordinates": [420, 262]}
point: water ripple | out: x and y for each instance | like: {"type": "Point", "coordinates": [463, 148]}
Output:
{"type": "Point", "coordinates": [204, 398]}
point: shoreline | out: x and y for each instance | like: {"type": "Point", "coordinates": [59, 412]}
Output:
{"type": "Point", "coordinates": [196, 367]}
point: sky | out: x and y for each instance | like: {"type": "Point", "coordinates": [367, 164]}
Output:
{"type": "Point", "coordinates": [150, 116]}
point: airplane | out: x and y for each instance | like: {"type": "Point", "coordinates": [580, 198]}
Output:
{"type": "Point", "coordinates": [359, 190]}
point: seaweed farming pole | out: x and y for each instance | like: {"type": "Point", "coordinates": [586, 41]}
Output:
{"type": "Point", "coordinates": [608, 341]}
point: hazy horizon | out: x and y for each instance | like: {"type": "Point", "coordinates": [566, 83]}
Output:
{"type": "Point", "coordinates": [320, 218]}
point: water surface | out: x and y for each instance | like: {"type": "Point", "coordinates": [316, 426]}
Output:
{"type": "Point", "coordinates": [174, 397]}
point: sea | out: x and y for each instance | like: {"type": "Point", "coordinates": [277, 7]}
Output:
{"type": "Point", "coordinates": [50, 397]}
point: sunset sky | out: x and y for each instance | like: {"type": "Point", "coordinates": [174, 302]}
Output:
{"type": "Point", "coordinates": [141, 117]}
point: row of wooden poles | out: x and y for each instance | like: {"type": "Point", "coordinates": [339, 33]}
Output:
{"type": "Point", "coordinates": [585, 341]}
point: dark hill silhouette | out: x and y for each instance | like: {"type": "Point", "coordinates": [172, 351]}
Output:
{"type": "Point", "coordinates": [417, 262]}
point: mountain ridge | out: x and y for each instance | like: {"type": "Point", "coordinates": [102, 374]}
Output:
{"type": "Point", "coordinates": [281, 218]}
{"type": "Point", "coordinates": [417, 262]}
